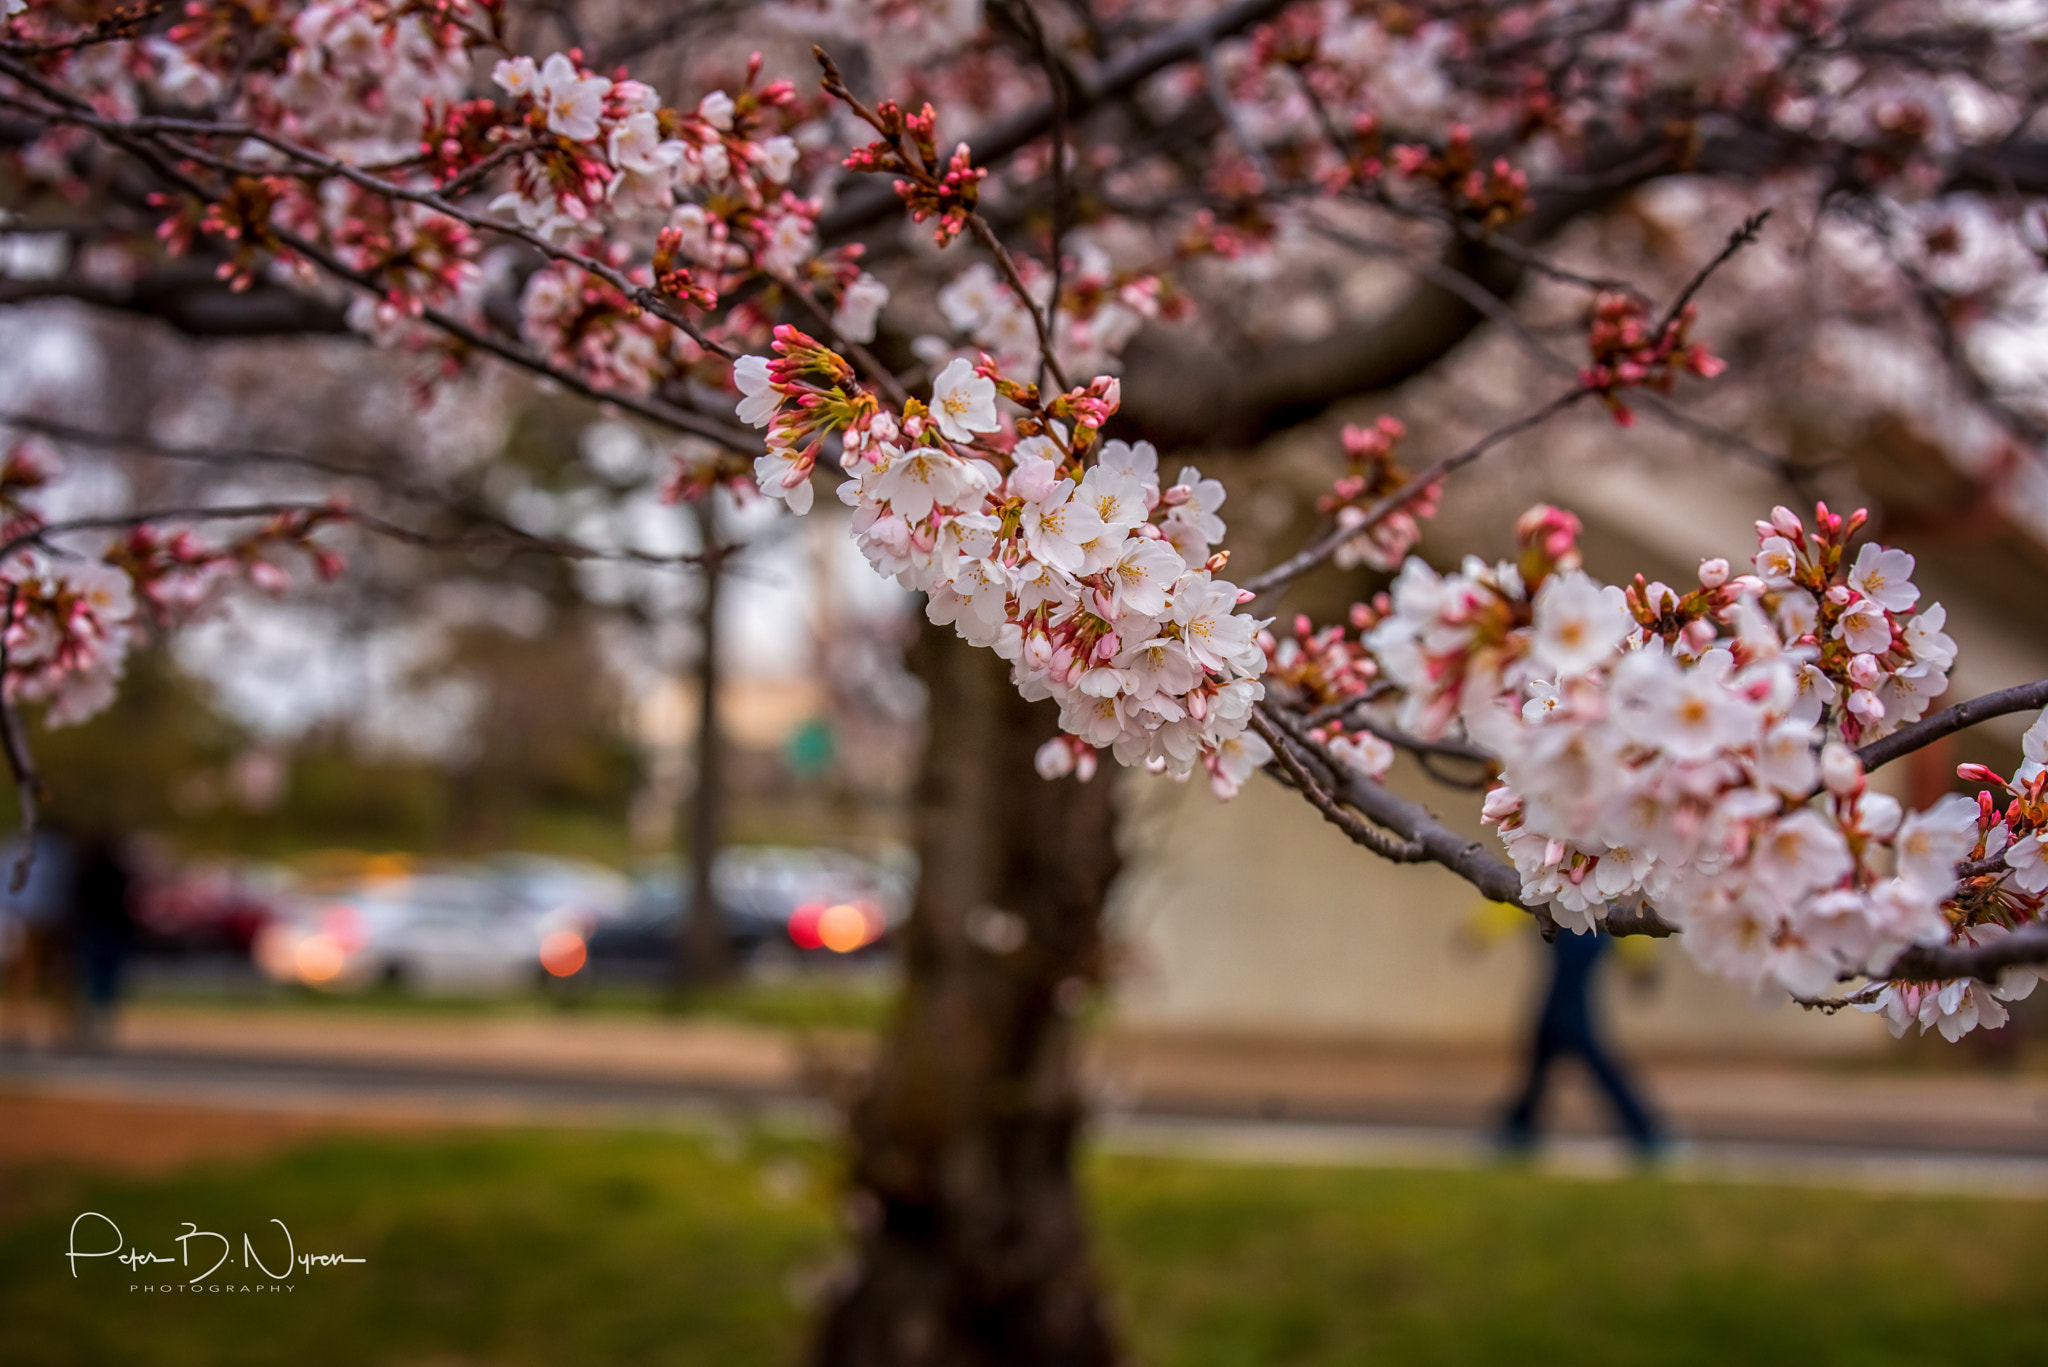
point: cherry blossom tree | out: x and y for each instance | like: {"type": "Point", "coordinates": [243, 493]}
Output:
{"type": "Point", "coordinates": [987, 272]}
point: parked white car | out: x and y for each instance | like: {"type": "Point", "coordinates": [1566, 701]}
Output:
{"type": "Point", "coordinates": [435, 931]}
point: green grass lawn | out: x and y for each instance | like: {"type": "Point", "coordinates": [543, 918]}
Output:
{"type": "Point", "coordinates": [594, 1249]}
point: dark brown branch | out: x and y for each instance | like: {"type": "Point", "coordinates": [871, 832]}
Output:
{"type": "Point", "coordinates": [727, 434]}
{"type": "Point", "coordinates": [125, 22]}
{"type": "Point", "coordinates": [1381, 843]}
{"type": "Point", "coordinates": [191, 298]}
{"type": "Point", "coordinates": [1041, 319]}
{"type": "Point", "coordinates": [1940, 963]}
{"type": "Point", "coordinates": [1439, 844]}
{"type": "Point", "coordinates": [1905, 740]}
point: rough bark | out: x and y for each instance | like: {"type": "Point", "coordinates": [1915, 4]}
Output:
{"type": "Point", "coordinates": [972, 1249]}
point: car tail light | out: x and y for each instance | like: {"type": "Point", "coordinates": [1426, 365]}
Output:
{"type": "Point", "coordinates": [562, 953]}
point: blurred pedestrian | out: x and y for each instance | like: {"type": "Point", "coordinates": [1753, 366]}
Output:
{"type": "Point", "coordinates": [1569, 1025]}
{"type": "Point", "coordinates": [37, 980]}
{"type": "Point", "coordinates": [102, 921]}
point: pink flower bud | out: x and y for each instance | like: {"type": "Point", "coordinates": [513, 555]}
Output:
{"type": "Point", "coordinates": [1713, 573]}
{"type": "Point", "coordinates": [1840, 595]}
{"type": "Point", "coordinates": [1699, 634]}
{"type": "Point", "coordinates": [1864, 704]}
{"type": "Point", "coordinates": [1840, 770]}
{"type": "Point", "coordinates": [1106, 648]}
{"type": "Point", "coordinates": [1788, 524]}
{"type": "Point", "coordinates": [1978, 773]}
{"type": "Point", "coordinates": [1054, 759]}
{"type": "Point", "coordinates": [1864, 671]}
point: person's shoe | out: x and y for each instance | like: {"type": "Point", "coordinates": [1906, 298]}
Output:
{"type": "Point", "coordinates": [1514, 1144]}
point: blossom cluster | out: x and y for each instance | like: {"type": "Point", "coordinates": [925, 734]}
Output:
{"type": "Point", "coordinates": [1692, 752]}
{"type": "Point", "coordinates": [1382, 542]}
{"type": "Point", "coordinates": [1629, 351]}
{"type": "Point", "coordinates": [1033, 537]}
{"type": "Point", "coordinates": [378, 147]}
{"type": "Point", "coordinates": [1099, 311]}
{"type": "Point", "coordinates": [67, 621]}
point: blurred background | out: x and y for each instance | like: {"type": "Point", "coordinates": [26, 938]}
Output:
{"type": "Point", "coordinates": [410, 964]}
{"type": "Point", "coordinates": [527, 925]}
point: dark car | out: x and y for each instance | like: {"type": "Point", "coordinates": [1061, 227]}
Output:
{"type": "Point", "coordinates": [800, 901]}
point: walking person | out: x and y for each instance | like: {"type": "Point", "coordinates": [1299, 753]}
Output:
{"type": "Point", "coordinates": [1568, 1025]}
{"type": "Point", "coordinates": [102, 928]}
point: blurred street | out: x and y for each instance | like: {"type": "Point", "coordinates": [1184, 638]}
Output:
{"type": "Point", "coordinates": [1265, 1101]}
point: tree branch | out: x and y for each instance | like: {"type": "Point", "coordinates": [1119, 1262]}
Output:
{"type": "Point", "coordinates": [192, 299]}
{"type": "Point", "coordinates": [1905, 740]}
{"type": "Point", "coordinates": [1360, 833]}
{"type": "Point", "coordinates": [1437, 843]}
{"type": "Point", "coordinates": [1940, 963]}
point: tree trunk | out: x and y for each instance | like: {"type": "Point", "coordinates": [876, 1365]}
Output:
{"type": "Point", "coordinates": [971, 1244]}
{"type": "Point", "coordinates": [702, 956]}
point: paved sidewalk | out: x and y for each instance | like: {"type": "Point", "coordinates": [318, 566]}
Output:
{"type": "Point", "coordinates": [1832, 1103]}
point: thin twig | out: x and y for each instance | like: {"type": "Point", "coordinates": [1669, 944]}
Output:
{"type": "Point", "coordinates": [1219, 95]}
{"type": "Point", "coordinates": [1316, 552]}
{"type": "Point", "coordinates": [1061, 208]}
{"type": "Point", "coordinates": [513, 540]}
{"type": "Point", "coordinates": [1737, 240]}
{"type": "Point", "coordinates": [1416, 745]}
{"type": "Point", "coordinates": [1118, 77]}
{"type": "Point", "coordinates": [986, 235]}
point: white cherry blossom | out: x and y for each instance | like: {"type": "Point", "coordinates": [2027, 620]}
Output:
{"type": "Point", "coordinates": [1579, 623]}
{"type": "Point", "coordinates": [1885, 576]}
{"type": "Point", "coordinates": [963, 402]}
